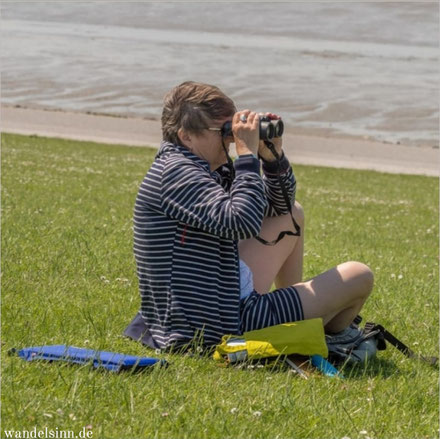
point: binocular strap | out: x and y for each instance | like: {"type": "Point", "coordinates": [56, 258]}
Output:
{"type": "Point", "coordinates": [296, 226]}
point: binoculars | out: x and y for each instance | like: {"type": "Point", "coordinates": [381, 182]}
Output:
{"type": "Point", "coordinates": [268, 128]}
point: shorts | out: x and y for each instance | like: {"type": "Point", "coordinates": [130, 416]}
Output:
{"type": "Point", "coordinates": [259, 311]}
{"type": "Point", "coordinates": [246, 280]}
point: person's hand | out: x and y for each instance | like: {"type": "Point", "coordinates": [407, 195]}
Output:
{"type": "Point", "coordinates": [246, 130]}
{"type": "Point", "coordinates": [263, 150]}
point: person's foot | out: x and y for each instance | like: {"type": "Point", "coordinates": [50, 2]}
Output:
{"type": "Point", "coordinates": [351, 345]}
{"type": "Point", "coordinates": [349, 336]}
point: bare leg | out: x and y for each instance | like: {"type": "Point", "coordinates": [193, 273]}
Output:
{"type": "Point", "coordinates": [336, 295]}
{"type": "Point", "coordinates": [291, 271]}
{"type": "Point", "coordinates": [281, 263]}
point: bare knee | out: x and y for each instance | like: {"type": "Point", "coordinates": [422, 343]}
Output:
{"type": "Point", "coordinates": [298, 214]}
{"type": "Point", "coordinates": [284, 222]}
{"type": "Point", "coordinates": [361, 274]}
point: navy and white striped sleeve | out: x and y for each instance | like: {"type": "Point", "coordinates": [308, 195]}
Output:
{"type": "Point", "coordinates": [189, 194]}
{"type": "Point", "coordinates": [276, 205]}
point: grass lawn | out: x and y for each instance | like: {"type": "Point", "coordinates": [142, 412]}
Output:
{"type": "Point", "coordinates": [68, 277]}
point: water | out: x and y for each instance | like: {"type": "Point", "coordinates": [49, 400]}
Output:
{"type": "Point", "coordinates": [364, 69]}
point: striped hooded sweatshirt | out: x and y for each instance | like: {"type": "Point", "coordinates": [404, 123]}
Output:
{"type": "Point", "coordinates": [187, 224]}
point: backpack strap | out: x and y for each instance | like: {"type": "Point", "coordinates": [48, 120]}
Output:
{"type": "Point", "coordinates": [372, 328]}
{"type": "Point", "coordinates": [357, 320]}
{"type": "Point", "coordinates": [383, 335]}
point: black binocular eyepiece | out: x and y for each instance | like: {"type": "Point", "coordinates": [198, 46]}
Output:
{"type": "Point", "coordinates": [269, 128]}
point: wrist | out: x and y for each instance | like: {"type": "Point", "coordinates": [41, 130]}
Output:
{"type": "Point", "coordinates": [244, 150]}
{"type": "Point", "coordinates": [275, 166]}
{"type": "Point", "coordinates": [268, 157]}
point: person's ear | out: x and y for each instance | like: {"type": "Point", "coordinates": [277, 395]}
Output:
{"type": "Point", "coordinates": [184, 137]}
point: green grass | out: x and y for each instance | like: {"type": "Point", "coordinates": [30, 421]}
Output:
{"type": "Point", "coordinates": [69, 278]}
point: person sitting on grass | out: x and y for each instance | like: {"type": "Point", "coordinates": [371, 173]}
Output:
{"type": "Point", "coordinates": [200, 225]}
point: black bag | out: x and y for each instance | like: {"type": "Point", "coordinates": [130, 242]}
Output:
{"type": "Point", "coordinates": [361, 344]}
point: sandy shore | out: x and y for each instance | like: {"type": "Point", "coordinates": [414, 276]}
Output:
{"type": "Point", "coordinates": [302, 149]}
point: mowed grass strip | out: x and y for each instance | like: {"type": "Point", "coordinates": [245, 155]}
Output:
{"type": "Point", "coordinates": [68, 277]}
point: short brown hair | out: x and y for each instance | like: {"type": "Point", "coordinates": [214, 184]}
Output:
{"type": "Point", "coordinates": [192, 106]}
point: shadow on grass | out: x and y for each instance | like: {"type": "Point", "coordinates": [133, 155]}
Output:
{"type": "Point", "coordinates": [374, 368]}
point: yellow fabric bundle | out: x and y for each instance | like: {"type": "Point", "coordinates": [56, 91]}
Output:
{"type": "Point", "coordinates": [305, 337]}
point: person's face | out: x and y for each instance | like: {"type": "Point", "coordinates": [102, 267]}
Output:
{"type": "Point", "coordinates": [208, 144]}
